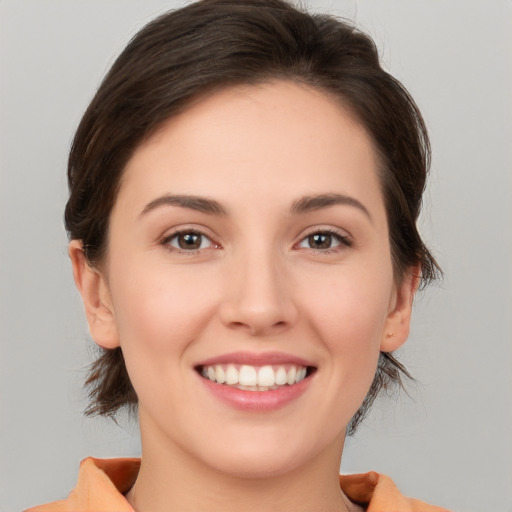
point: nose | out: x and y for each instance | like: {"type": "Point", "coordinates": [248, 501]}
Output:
{"type": "Point", "coordinates": [259, 298]}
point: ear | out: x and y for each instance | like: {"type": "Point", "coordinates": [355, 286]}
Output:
{"type": "Point", "coordinates": [96, 298]}
{"type": "Point", "coordinates": [399, 318]}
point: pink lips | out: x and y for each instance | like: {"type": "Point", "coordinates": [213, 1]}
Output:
{"type": "Point", "coordinates": [256, 400]}
{"type": "Point", "coordinates": [271, 358]}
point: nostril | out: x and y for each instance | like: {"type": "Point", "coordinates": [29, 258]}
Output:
{"type": "Point", "coordinates": [239, 325]}
{"type": "Point", "coordinates": [258, 326]}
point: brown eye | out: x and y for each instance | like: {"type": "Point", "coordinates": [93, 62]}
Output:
{"type": "Point", "coordinates": [325, 240]}
{"type": "Point", "coordinates": [320, 241]}
{"type": "Point", "coordinates": [189, 241]}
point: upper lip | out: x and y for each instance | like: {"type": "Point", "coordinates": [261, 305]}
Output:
{"type": "Point", "coordinates": [255, 359]}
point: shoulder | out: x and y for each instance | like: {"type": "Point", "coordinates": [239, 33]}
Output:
{"type": "Point", "coordinates": [101, 486]}
{"type": "Point", "coordinates": [378, 493]}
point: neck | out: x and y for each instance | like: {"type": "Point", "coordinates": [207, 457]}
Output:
{"type": "Point", "coordinates": [171, 479]}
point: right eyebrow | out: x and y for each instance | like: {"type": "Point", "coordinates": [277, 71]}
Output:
{"type": "Point", "coordinates": [201, 204]}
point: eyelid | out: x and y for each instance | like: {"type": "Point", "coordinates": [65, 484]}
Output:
{"type": "Point", "coordinates": [182, 230]}
{"type": "Point", "coordinates": [344, 238]}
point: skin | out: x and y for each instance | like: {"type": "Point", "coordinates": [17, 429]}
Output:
{"type": "Point", "coordinates": [257, 284]}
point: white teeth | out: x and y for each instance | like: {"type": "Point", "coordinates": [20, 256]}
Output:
{"type": "Point", "coordinates": [252, 378]}
{"type": "Point", "coordinates": [248, 376]}
{"type": "Point", "coordinates": [231, 375]}
{"type": "Point", "coordinates": [292, 372]}
{"type": "Point", "coordinates": [266, 376]}
{"type": "Point", "coordinates": [281, 376]}
{"type": "Point", "coordinates": [300, 375]}
{"type": "Point", "coordinates": [220, 374]}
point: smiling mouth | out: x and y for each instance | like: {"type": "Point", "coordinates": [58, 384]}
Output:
{"type": "Point", "coordinates": [255, 378]}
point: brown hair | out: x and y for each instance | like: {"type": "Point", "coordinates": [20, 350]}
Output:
{"type": "Point", "coordinates": [213, 44]}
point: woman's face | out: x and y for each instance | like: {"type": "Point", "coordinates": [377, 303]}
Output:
{"type": "Point", "coordinates": [249, 243]}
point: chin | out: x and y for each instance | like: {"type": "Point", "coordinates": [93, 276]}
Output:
{"type": "Point", "coordinates": [260, 457]}
{"type": "Point", "coordinates": [258, 466]}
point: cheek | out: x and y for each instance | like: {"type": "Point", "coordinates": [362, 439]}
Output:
{"type": "Point", "coordinates": [159, 315]}
{"type": "Point", "coordinates": [353, 308]}
{"type": "Point", "coordinates": [160, 309]}
{"type": "Point", "coordinates": [351, 321]}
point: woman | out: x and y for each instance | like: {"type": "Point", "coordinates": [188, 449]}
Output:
{"type": "Point", "coordinates": [243, 195]}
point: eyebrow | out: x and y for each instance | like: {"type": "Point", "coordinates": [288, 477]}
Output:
{"type": "Point", "coordinates": [201, 204]}
{"type": "Point", "coordinates": [311, 203]}
{"type": "Point", "coordinates": [210, 206]}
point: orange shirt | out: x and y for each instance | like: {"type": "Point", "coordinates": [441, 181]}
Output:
{"type": "Point", "coordinates": [102, 483]}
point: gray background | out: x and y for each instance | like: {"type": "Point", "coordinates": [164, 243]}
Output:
{"type": "Point", "coordinates": [450, 443]}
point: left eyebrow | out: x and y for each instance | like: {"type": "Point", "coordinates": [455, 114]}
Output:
{"type": "Point", "coordinates": [201, 204]}
{"type": "Point", "coordinates": [310, 203]}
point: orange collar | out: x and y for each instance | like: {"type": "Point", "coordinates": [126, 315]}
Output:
{"type": "Point", "coordinates": [102, 484]}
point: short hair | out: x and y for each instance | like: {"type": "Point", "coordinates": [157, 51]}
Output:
{"type": "Point", "coordinates": [213, 44]}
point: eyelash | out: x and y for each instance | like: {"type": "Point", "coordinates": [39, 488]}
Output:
{"type": "Point", "coordinates": [343, 240]}
{"type": "Point", "coordinates": [168, 239]}
{"type": "Point", "coordinates": [338, 237]}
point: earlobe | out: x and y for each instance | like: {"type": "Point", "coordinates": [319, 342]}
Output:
{"type": "Point", "coordinates": [399, 318]}
{"type": "Point", "coordinates": [95, 296]}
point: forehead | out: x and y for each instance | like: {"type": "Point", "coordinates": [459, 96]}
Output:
{"type": "Point", "coordinates": [305, 112]}
{"type": "Point", "coordinates": [276, 138]}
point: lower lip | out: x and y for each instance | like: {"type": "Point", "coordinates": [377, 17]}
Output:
{"type": "Point", "coordinates": [257, 400]}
